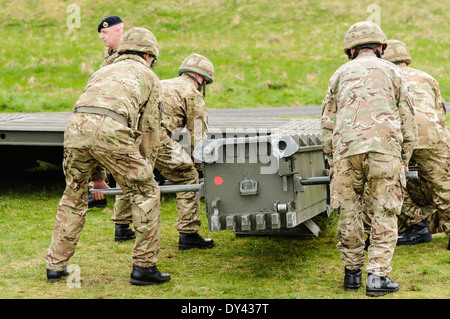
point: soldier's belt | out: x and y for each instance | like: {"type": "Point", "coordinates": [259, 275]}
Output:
{"type": "Point", "coordinates": [102, 111]}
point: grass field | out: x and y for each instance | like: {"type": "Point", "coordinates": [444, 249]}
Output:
{"type": "Point", "coordinates": [266, 54]}
{"type": "Point", "coordinates": [238, 267]}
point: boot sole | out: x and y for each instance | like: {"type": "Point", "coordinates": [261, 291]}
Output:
{"type": "Point", "coordinates": [379, 293]}
{"type": "Point", "coordinates": [146, 283]}
{"type": "Point", "coordinates": [416, 241]}
{"type": "Point", "coordinates": [117, 239]}
{"type": "Point", "coordinates": [56, 279]}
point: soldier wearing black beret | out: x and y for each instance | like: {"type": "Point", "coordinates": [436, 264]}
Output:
{"type": "Point", "coordinates": [111, 30]}
{"type": "Point", "coordinates": [109, 22]}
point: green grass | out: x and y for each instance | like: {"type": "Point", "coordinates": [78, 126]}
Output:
{"type": "Point", "coordinates": [266, 54]}
{"type": "Point", "coordinates": [238, 267]}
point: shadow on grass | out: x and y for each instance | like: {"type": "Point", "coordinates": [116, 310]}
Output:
{"type": "Point", "coordinates": [45, 177]}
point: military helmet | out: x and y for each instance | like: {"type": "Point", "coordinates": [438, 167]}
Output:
{"type": "Point", "coordinates": [198, 64]}
{"type": "Point", "coordinates": [397, 52]}
{"type": "Point", "coordinates": [139, 40]}
{"type": "Point", "coordinates": [364, 32]}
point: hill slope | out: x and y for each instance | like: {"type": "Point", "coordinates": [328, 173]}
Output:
{"type": "Point", "coordinates": [266, 53]}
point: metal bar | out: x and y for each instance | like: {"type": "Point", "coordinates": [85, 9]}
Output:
{"type": "Point", "coordinates": [326, 179]}
{"type": "Point", "coordinates": [196, 187]}
{"type": "Point", "coordinates": [163, 189]}
{"type": "Point", "coordinates": [315, 180]}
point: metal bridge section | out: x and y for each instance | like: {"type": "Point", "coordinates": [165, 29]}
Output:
{"type": "Point", "coordinates": [28, 137]}
{"type": "Point", "coordinates": [253, 184]}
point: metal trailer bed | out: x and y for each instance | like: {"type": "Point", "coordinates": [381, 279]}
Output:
{"type": "Point", "coordinates": [28, 137]}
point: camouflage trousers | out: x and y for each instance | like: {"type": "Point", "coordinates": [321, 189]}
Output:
{"type": "Point", "coordinates": [384, 177]}
{"type": "Point", "coordinates": [177, 166]}
{"type": "Point", "coordinates": [116, 149]}
{"type": "Point", "coordinates": [430, 192]}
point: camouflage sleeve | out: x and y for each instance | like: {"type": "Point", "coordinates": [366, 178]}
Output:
{"type": "Point", "coordinates": [196, 119]}
{"type": "Point", "coordinates": [150, 124]}
{"type": "Point", "coordinates": [174, 110]}
{"type": "Point", "coordinates": [441, 110]}
{"type": "Point", "coordinates": [328, 123]}
{"type": "Point", "coordinates": [439, 103]}
{"type": "Point", "coordinates": [407, 122]}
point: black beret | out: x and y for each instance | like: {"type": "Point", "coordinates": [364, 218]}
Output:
{"type": "Point", "coordinates": [109, 22]}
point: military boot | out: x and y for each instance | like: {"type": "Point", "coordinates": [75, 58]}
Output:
{"type": "Point", "coordinates": [418, 233]}
{"type": "Point", "coordinates": [188, 241]}
{"type": "Point", "coordinates": [96, 203]}
{"type": "Point", "coordinates": [352, 279]}
{"type": "Point", "coordinates": [124, 232]}
{"type": "Point", "coordinates": [378, 286]}
{"type": "Point", "coordinates": [53, 276]}
{"type": "Point", "coordinates": [142, 276]}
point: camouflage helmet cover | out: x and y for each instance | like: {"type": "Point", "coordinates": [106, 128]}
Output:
{"type": "Point", "coordinates": [397, 52]}
{"type": "Point", "coordinates": [198, 64]}
{"type": "Point", "coordinates": [139, 40]}
{"type": "Point", "coordinates": [364, 32]}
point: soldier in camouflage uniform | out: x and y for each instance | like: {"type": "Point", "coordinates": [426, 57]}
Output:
{"type": "Point", "coordinates": [116, 124]}
{"type": "Point", "coordinates": [111, 30]}
{"type": "Point", "coordinates": [369, 132]}
{"type": "Point", "coordinates": [184, 106]}
{"type": "Point", "coordinates": [431, 191]}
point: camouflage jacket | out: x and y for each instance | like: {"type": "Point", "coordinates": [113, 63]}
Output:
{"type": "Point", "coordinates": [429, 107]}
{"type": "Point", "coordinates": [184, 106]}
{"type": "Point", "coordinates": [109, 57]}
{"type": "Point", "coordinates": [129, 88]}
{"type": "Point", "coordinates": [368, 109]}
